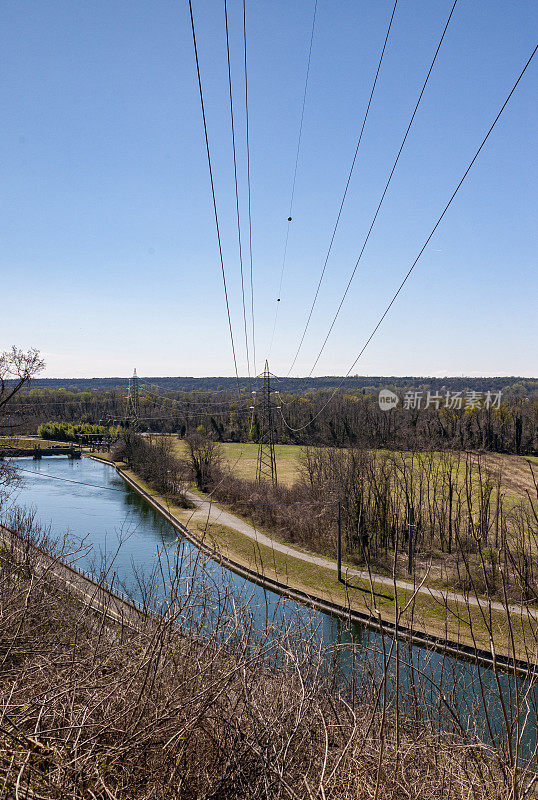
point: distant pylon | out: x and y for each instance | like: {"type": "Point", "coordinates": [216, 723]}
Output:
{"type": "Point", "coordinates": [266, 466]}
{"type": "Point", "coordinates": [133, 403]}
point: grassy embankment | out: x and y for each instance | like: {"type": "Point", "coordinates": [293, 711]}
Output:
{"type": "Point", "coordinates": [459, 622]}
{"type": "Point", "coordinates": [439, 568]}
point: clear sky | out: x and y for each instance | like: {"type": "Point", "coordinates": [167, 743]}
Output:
{"type": "Point", "coordinates": [108, 252]}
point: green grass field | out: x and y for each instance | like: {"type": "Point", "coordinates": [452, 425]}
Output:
{"type": "Point", "coordinates": [516, 474]}
{"type": "Point", "coordinates": [242, 459]}
{"type": "Point", "coordinates": [517, 478]}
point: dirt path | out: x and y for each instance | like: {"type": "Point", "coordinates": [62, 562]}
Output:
{"type": "Point", "coordinates": [209, 511]}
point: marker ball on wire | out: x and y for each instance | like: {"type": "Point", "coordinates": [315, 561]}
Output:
{"type": "Point", "coordinates": [289, 219]}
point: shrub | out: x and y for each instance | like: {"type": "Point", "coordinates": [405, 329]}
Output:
{"type": "Point", "coordinates": [155, 464]}
{"type": "Point", "coordinates": [68, 431]}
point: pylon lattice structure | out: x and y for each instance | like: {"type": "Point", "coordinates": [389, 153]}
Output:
{"type": "Point", "coordinates": [133, 403]}
{"type": "Point", "coordinates": [266, 466]}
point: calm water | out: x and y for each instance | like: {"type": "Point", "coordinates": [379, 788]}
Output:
{"type": "Point", "coordinates": [92, 505]}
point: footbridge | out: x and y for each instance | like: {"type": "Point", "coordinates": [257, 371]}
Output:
{"type": "Point", "coordinates": [39, 452]}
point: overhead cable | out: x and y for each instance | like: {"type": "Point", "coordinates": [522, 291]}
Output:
{"type": "Point", "coordinates": [294, 180]}
{"type": "Point", "coordinates": [238, 216]}
{"type": "Point", "coordinates": [384, 190]}
{"type": "Point", "coordinates": [247, 141]}
{"type": "Point", "coordinates": [345, 190]}
{"type": "Point", "coordinates": [208, 152]}
{"type": "Point", "coordinates": [421, 251]}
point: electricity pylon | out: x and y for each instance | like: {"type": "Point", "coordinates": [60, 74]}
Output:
{"type": "Point", "coordinates": [133, 403]}
{"type": "Point", "coordinates": [266, 466]}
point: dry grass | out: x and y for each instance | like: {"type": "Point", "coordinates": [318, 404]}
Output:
{"type": "Point", "coordinates": [195, 706]}
{"type": "Point", "coordinates": [516, 475]}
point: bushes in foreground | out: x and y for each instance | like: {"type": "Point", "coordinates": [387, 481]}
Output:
{"type": "Point", "coordinates": [195, 706]}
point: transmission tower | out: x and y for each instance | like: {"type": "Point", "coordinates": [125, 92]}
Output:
{"type": "Point", "coordinates": [266, 466]}
{"type": "Point", "coordinates": [133, 405]}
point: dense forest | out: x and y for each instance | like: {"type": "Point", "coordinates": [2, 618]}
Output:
{"type": "Point", "coordinates": [294, 385]}
{"type": "Point", "coordinates": [452, 413]}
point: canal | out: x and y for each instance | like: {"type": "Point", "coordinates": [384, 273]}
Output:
{"type": "Point", "coordinates": [98, 515]}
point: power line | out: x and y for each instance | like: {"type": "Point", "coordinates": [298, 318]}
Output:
{"type": "Point", "coordinates": [193, 414]}
{"type": "Point", "coordinates": [294, 173]}
{"type": "Point", "coordinates": [384, 190]}
{"type": "Point", "coordinates": [413, 265]}
{"type": "Point", "coordinates": [146, 394]}
{"type": "Point", "coordinates": [108, 396]}
{"type": "Point", "coordinates": [66, 480]}
{"type": "Point", "coordinates": [236, 186]}
{"type": "Point", "coordinates": [128, 488]}
{"type": "Point", "coordinates": [38, 401]}
{"type": "Point", "coordinates": [248, 186]}
{"type": "Point", "coordinates": [38, 404]}
{"type": "Point", "coordinates": [345, 190]}
{"type": "Point", "coordinates": [213, 192]}
{"type": "Point", "coordinates": [203, 403]}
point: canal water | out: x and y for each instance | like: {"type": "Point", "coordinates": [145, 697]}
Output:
{"type": "Point", "coordinates": [89, 507]}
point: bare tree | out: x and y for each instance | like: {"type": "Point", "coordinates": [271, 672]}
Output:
{"type": "Point", "coordinates": [17, 367]}
{"type": "Point", "coordinates": [205, 457]}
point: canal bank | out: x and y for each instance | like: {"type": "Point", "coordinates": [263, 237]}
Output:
{"type": "Point", "coordinates": [370, 605]}
{"type": "Point", "coordinates": [96, 596]}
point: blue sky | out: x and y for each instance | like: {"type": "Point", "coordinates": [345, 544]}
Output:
{"type": "Point", "coordinates": [109, 255]}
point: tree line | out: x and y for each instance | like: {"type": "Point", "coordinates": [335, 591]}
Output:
{"type": "Point", "coordinates": [351, 418]}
